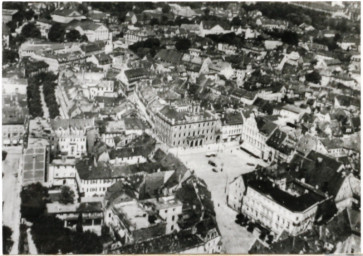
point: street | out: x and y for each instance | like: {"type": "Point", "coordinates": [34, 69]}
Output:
{"type": "Point", "coordinates": [235, 238]}
{"type": "Point", "coordinates": [11, 193]}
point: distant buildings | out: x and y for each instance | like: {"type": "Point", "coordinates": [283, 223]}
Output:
{"type": "Point", "coordinates": [66, 15]}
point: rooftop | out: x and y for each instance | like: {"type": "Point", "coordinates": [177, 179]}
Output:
{"type": "Point", "coordinates": [293, 203]}
{"type": "Point", "coordinates": [34, 165]}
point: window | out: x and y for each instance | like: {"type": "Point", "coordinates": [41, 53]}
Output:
{"type": "Point", "coordinates": [173, 218]}
{"type": "Point", "coordinates": [172, 227]}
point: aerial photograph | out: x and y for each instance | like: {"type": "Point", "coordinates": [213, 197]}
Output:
{"type": "Point", "coordinates": [181, 127]}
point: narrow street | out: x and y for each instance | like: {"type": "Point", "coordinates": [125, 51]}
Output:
{"type": "Point", "coordinates": [11, 193]}
{"type": "Point", "coordinates": [44, 104]}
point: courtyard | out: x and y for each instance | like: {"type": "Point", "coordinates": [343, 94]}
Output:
{"type": "Point", "coordinates": [233, 162]}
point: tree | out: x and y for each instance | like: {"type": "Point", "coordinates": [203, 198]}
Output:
{"type": "Point", "coordinates": [183, 44]}
{"type": "Point", "coordinates": [206, 12]}
{"type": "Point", "coordinates": [313, 77]}
{"type": "Point", "coordinates": [29, 14]}
{"type": "Point", "coordinates": [166, 8]}
{"type": "Point", "coordinates": [7, 242]}
{"type": "Point", "coordinates": [30, 31]}
{"type": "Point", "coordinates": [82, 8]}
{"type": "Point", "coordinates": [154, 21]}
{"type": "Point", "coordinates": [56, 33]}
{"type": "Point", "coordinates": [79, 227]}
{"type": "Point", "coordinates": [73, 36]}
{"type": "Point", "coordinates": [290, 37]}
{"type": "Point", "coordinates": [9, 56]}
{"type": "Point", "coordinates": [84, 38]}
{"type": "Point", "coordinates": [33, 200]}
{"type": "Point", "coordinates": [67, 195]}
{"type": "Point", "coordinates": [236, 21]}
{"type": "Point", "coordinates": [337, 37]}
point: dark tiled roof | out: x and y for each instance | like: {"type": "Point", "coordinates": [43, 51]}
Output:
{"type": "Point", "coordinates": [318, 170]}
{"type": "Point", "coordinates": [90, 207]}
{"type": "Point", "coordinates": [74, 123]}
{"type": "Point", "coordinates": [293, 203]}
{"type": "Point", "coordinates": [92, 47]}
{"type": "Point", "coordinates": [234, 118]}
{"type": "Point", "coordinates": [265, 126]}
{"type": "Point", "coordinates": [171, 56]}
{"type": "Point", "coordinates": [242, 93]}
{"type": "Point", "coordinates": [135, 73]}
{"type": "Point", "coordinates": [276, 141]}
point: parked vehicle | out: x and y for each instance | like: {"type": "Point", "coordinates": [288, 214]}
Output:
{"type": "Point", "coordinates": [250, 227]}
{"type": "Point", "coordinates": [212, 163]}
{"type": "Point", "coordinates": [214, 170]}
{"type": "Point", "coordinates": [250, 164]}
{"type": "Point", "coordinates": [4, 154]}
{"type": "Point", "coordinates": [211, 155]}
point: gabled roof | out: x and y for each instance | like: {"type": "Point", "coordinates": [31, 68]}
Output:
{"type": "Point", "coordinates": [265, 126]}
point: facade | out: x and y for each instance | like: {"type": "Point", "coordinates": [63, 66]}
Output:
{"type": "Point", "coordinates": [63, 172]}
{"type": "Point", "coordinates": [280, 205]}
{"type": "Point", "coordinates": [186, 126]}
{"type": "Point", "coordinates": [72, 135]}
{"type": "Point", "coordinates": [255, 132]}
{"type": "Point", "coordinates": [91, 212]}
{"type": "Point", "coordinates": [131, 77]}
{"type": "Point", "coordinates": [93, 31]}
{"type": "Point", "coordinates": [232, 126]}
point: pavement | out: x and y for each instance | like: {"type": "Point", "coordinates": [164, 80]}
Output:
{"type": "Point", "coordinates": [44, 104]}
{"type": "Point", "coordinates": [233, 161]}
{"type": "Point", "coordinates": [11, 193]}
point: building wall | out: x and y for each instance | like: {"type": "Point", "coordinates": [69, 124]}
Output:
{"type": "Point", "coordinates": [73, 145]}
{"type": "Point", "coordinates": [57, 174]}
{"type": "Point", "coordinates": [171, 215]}
{"type": "Point", "coordinates": [129, 160]}
{"type": "Point", "coordinates": [176, 135]}
{"type": "Point", "coordinates": [252, 138]}
{"type": "Point", "coordinates": [275, 217]}
{"type": "Point", "coordinates": [235, 194]}
{"type": "Point", "coordinates": [12, 132]}
{"type": "Point", "coordinates": [231, 132]}
{"type": "Point", "coordinates": [212, 242]}
{"type": "Point", "coordinates": [97, 187]}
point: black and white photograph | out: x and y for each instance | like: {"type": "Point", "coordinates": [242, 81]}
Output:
{"type": "Point", "coordinates": [181, 127]}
